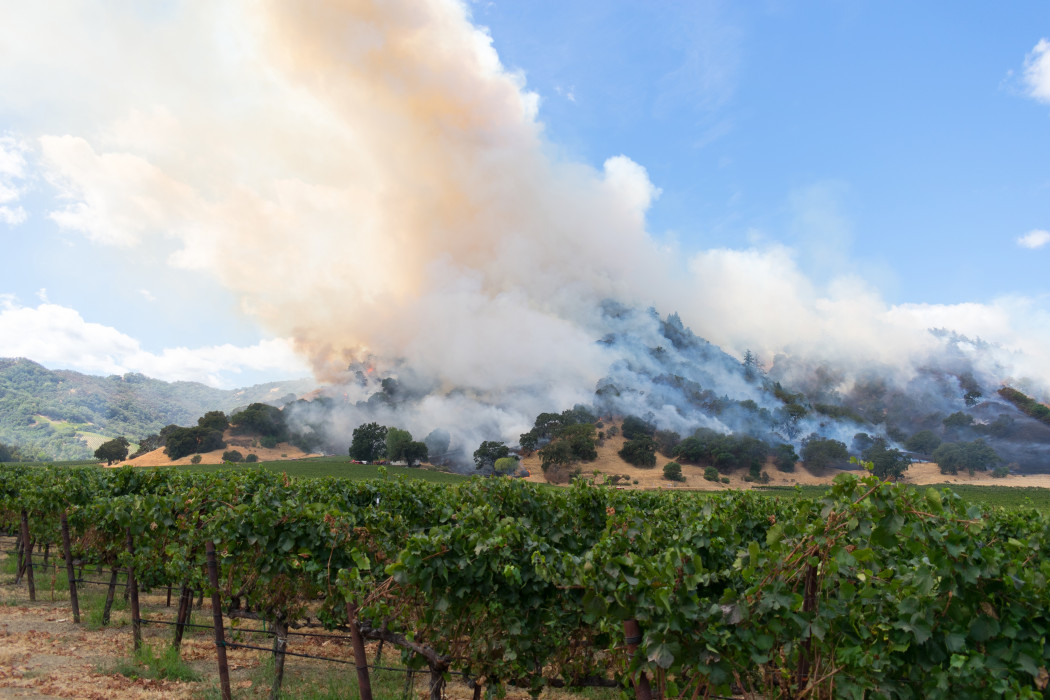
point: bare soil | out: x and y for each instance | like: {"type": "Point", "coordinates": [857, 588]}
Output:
{"type": "Point", "coordinates": [44, 654]}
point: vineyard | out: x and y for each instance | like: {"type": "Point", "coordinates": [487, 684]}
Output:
{"type": "Point", "coordinates": [871, 590]}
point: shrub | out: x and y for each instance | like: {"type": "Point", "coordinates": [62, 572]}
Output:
{"type": "Point", "coordinates": [725, 479]}
{"type": "Point", "coordinates": [268, 441]}
{"type": "Point", "coordinates": [711, 474]}
{"type": "Point", "coordinates": [506, 465]}
{"type": "Point", "coordinates": [232, 456]}
{"type": "Point", "coordinates": [673, 471]}
{"type": "Point", "coordinates": [195, 459]}
{"type": "Point", "coordinates": [1001, 472]}
{"type": "Point", "coordinates": [251, 457]}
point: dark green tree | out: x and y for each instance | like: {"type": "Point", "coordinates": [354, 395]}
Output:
{"type": "Point", "coordinates": [9, 453]}
{"type": "Point", "coordinates": [186, 441]}
{"type": "Point", "coordinates": [260, 419]}
{"type": "Point", "coordinates": [752, 367]}
{"type": "Point", "coordinates": [556, 454]}
{"type": "Point", "coordinates": [673, 472]}
{"type": "Point", "coordinates": [785, 457]}
{"type": "Point", "coordinates": [396, 441]}
{"type": "Point", "coordinates": [415, 453]}
{"type": "Point", "coordinates": [488, 452]}
{"type": "Point", "coordinates": [971, 456]}
{"type": "Point", "coordinates": [924, 442]}
{"type": "Point", "coordinates": [886, 462]}
{"type": "Point", "coordinates": [216, 420]}
{"type": "Point", "coordinates": [635, 427]}
{"type": "Point", "coordinates": [666, 441]}
{"type": "Point", "coordinates": [115, 450]}
{"type": "Point", "coordinates": [641, 452]}
{"type": "Point", "coordinates": [958, 420]}
{"type": "Point", "coordinates": [528, 441]}
{"type": "Point", "coordinates": [368, 443]}
{"type": "Point", "coordinates": [818, 452]}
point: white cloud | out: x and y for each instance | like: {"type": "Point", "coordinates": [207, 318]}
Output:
{"type": "Point", "coordinates": [1034, 239]}
{"type": "Point", "coordinates": [1037, 71]}
{"type": "Point", "coordinates": [58, 336]}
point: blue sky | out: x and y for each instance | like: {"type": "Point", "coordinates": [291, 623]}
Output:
{"type": "Point", "coordinates": [901, 147]}
{"type": "Point", "coordinates": [900, 134]}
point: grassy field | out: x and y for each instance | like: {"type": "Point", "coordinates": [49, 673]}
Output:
{"type": "Point", "coordinates": [334, 466]}
{"type": "Point", "coordinates": [1008, 496]}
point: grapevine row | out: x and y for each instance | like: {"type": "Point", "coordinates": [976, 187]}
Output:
{"type": "Point", "coordinates": [874, 590]}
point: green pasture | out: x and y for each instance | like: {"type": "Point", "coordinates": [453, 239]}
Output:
{"type": "Point", "coordinates": [341, 467]}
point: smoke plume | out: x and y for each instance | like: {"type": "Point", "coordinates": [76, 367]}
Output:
{"type": "Point", "coordinates": [373, 183]}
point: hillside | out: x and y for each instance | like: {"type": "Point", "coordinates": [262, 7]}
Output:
{"type": "Point", "coordinates": [61, 414]}
{"type": "Point", "coordinates": [609, 463]}
{"type": "Point", "coordinates": [245, 444]}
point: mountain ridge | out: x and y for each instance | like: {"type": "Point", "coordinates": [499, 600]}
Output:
{"type": "Point", "coordinates": [47, 413]}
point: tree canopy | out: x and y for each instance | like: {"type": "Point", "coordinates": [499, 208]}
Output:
{"type": "Point", "coordinates": [400, 447]}
{"type": "Point", "coordinates": [216, 420]}
{"type": "Point", "coordinates": [186, 441]}
{"type": "Point", "coordinates": [886, 462]}
{"type": "Point", "coordinates": [818, 452]}
{"type": "Point", "coordinates": [115, 450]}
{"type": "Point", "coordinates": [488, 452]}
{"type": "Point", "coordinates": [368, 443]}
{"type": "Point", "coordinates": [971, 456]}
{"type": "Point", "coordinates": [641, 451]}
{"type": "Point", "coordinates": [261, 419]}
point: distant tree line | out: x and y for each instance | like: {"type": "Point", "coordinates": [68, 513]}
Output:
{"type": "Point", "coordinates": [1026, 404]}
{"type": "Point", "coordinates": [372, 442]}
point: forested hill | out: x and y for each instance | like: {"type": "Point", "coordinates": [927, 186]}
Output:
{"type": "Point", "coordinates": [60, 414]}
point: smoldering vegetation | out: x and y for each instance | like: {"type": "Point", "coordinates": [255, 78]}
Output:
{"type": "Point", "coordinates": [662, 372]}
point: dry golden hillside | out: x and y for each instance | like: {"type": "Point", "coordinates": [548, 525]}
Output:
{"type": "Point", "coordinates": [242, 443]}
{"type": "Point", "coordinates": [609, 462]}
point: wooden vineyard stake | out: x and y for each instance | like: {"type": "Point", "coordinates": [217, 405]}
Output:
{"type": "Point", "coordinates": [216, 614]}
{"type": "Point", "coordinates": [28, 560]}
{"type": "Point", "coordinates": [360, 660]}
{"type": "Point", "coordinates": [136, 621]}
{"type": "Point", "coordinates": [70, 574]}
{"type": "Point", "coordinates": [633, 637]}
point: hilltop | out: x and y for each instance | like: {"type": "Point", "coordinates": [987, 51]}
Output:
{"type": "Point", "coordinates": [245, 444]}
